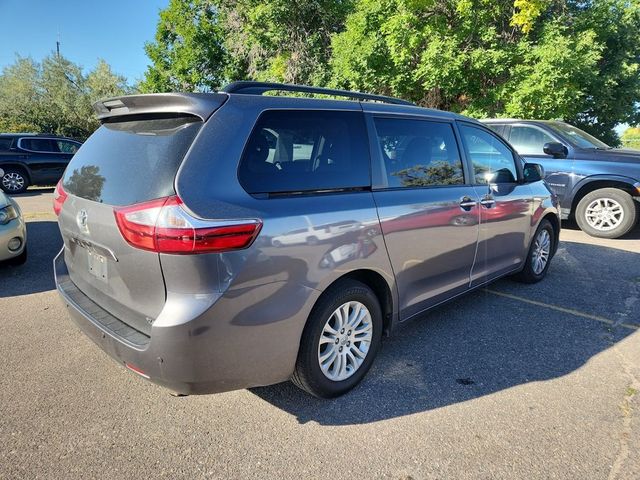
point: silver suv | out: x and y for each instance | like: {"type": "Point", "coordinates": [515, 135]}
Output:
{"type": "Point", "coordinates": [227, 240]}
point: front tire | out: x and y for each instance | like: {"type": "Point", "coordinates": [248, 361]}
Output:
{"type": "Point", "coordinates": [340, 340]}
{"type": "Point", "coordinates": [607, 213]}
{"type": "Point", "coordinates": [540, 254]}
{"type": "Point", "coordinates": [14, 181]}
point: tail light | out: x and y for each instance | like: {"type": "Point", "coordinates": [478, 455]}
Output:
{"type": "Point", "coordinates": [59, 197]}
{"type": "Point", "coordinates": [164, 226]}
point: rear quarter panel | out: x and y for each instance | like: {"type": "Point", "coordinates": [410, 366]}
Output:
{"type": "Point", "coordinates": [273, 285]}
{"type": "Point", "coordinates": [208, 184]}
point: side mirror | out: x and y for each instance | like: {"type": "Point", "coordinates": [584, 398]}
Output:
{"type": "Point", "coordinates": [555, 149]}
{"type": "Point", "coordinates": [533, 172]}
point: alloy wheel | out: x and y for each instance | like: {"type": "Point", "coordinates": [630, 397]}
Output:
{"type": "Point", "coordinates": [604, 214]}
{"type": "Point", "coordinates": [13, 182]}
{"type": "Point", "coordinates": [345, 341]}
{"type": "Point", "coordinates": [541, 251]}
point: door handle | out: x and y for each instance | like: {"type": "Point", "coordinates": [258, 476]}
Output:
{"type": "Point", "coordinates": [467, 203]}
{"type": "Point", "coordinates": [488, 201]}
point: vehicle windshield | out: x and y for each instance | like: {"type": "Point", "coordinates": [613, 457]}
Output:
{"type": "Point", "coordinates": [577, 137]}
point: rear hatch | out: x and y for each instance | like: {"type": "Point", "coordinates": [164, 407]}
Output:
{"type": "Point", "coordinates": [132, 158]}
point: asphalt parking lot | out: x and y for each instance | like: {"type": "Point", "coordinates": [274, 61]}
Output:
{"type": "Point", "coordinates": [515, 381]}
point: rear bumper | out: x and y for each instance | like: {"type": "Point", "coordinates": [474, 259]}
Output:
{"type": "Point", "coordinates": [218, 350]}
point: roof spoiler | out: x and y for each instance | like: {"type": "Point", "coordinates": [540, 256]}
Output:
{"type": "Point", "coordinates": [200, 105]}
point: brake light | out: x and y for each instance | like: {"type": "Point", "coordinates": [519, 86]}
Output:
{"type": "Point", "coordinates": [59, 197]}
{"type": "Point", "coordinates": [164, 226]}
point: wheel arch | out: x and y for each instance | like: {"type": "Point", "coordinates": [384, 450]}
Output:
{"type": "Point", "coordinates": [383, 291]}
{"type": "Point", "coordinates": [591, 184]}
{"type": "Point", "coordinates": [555, 223]}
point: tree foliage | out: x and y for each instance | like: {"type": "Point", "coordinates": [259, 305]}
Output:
{"type": "Point", "coordinates": [187, 54]}
{"type": "Point", "coordinates": [631, 138]}
{"type": "Point", "coordinates": [54, 96]}
{"type": "Point", "coordinates": [282, 40]}
{"type": "Point", "coordinates": [548, 59]}
{"type": "Point", "coordinates": [574, 61]}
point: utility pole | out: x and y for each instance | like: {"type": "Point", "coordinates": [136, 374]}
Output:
{"type": "Point", "coordinates": [58, 45]}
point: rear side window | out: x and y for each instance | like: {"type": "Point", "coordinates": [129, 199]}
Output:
{"type": "Point", "coordinates": [129, 162]}
{"type": "Point", "coordinates": [301, 151]}
{"type": "Point", "coordinates": [66, 146]}
{"type": "Point", "coordinates": [419, 153]}
{"type": "Point", "coordinates": [46, 145]}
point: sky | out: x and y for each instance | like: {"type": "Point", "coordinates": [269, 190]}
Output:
{"type": "Point", "coordinates": [114, 30]}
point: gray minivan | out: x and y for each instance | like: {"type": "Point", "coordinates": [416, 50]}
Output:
{"type": "Point", "coordinates": [227, 240]}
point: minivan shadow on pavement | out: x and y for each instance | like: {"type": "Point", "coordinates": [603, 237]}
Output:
{"type": "Point", "coordinates": [485, 343]}
{"type": "Point", "coordinates": [36, 275]}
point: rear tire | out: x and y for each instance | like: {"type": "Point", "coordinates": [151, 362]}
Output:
{"type": "Point", "coordinates": [348, 345]}
{"type": "Point", "coordinates": [14, 181]}
{"type": "Point", "coordinates": [542, 247]}
{"type": "Point", "coordinates": [607, 213]}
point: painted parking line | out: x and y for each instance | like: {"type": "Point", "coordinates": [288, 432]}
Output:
{"type": "Point", "coordinates": [570, 311]}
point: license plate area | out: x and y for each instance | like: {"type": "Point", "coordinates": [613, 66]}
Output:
{"type": "Point", "coordinates": [97, 265]}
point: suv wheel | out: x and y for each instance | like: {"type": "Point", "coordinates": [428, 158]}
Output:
{"type": "Point", "coordinates": [540, 253]}
{"type": "Point", "coordinates": [340, 340]}
{"type": "Point", "coordinates": [14, 181]}
{"type": "Point", "coordinates": [607, 213]}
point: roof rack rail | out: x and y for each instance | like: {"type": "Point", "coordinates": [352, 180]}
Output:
{"type": "Point", "coordinates": [258, 88]}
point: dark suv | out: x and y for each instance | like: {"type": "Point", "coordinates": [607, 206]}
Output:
{"type": "Point", "coordinates": [33, 159]}
{"type": "Point", "coordinates": [226, 240]}
{"type": "Point", "coordinates": [597, 185]}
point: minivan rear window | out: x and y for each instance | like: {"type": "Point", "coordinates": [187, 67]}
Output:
{"type": "Point", "coordinates": [301, 151]}
{"type": "Point", "coordinates": [131, 161]}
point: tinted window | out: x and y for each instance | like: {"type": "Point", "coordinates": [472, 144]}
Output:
{"type": "Point", "coordinates": [291, 151]}
{"type": "Point", "coordinates": [129, 162]}
{"type": "Point", "coordinates": [528, 140]}
{"type": "Point", "coordinates": [419, 153]}
{"type": "Point", "coordinates": [40, 145]}
{"type": "Point", "coordinates": [492, 161]}
{"type": "Point", "coordinates": [66, 146]}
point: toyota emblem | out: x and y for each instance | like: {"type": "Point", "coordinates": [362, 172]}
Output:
{"type": "Point", "coordinates": [81, 220]}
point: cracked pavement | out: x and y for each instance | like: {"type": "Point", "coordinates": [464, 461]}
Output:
{"type": "Point", "coordinates": [516, 381]}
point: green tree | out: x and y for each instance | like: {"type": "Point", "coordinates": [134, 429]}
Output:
{"type": "Point", "coordinates": [282, 40]}
{"type": "Point", "coordinates": [202, 44]}
{"type": "Point", "coordinates": [531, 58]}
{"type": "Point", "coordinates": [576, 61]}
{"type": "Point", "coordinates": [103, 83]}
{"type": "Point", "coordinates": [188, 53]}
{"type": "Point", "coordinates": [20, 98]}
{"type": "Point", "coordinates": [54, 96]}
{"type": "Point", "coordinates": [631, 138]}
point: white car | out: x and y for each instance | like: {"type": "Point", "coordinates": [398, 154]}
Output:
{"type": "Point", "coordinates": [13, 231]}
